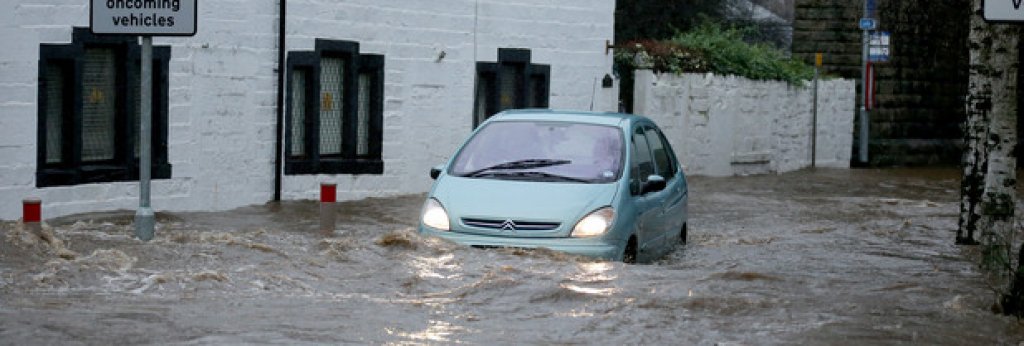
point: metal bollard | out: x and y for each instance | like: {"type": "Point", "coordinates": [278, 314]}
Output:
{"type": "Point", "coordinates": [32, 213]}
{"type": "Point", "coordinates": [328, 197]}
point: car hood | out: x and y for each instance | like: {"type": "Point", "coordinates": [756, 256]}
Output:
{"type": "Point", "coordinates": [499, 200]}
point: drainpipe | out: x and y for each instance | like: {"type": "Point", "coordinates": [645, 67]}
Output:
{"type": "Point", "coordinates": [278, 144]}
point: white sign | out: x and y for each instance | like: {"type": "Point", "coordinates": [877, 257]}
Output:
{"type": "Point", "coordinates": [878, 47]}
{"type": "Point", "coordinates": [878, 54]}
{"type": "Point", "coordinates": [143, 17]}
{"type": "Point", "coordinates": [880, 38]}
{"type": "Point", "coordinates": [1004, 10]}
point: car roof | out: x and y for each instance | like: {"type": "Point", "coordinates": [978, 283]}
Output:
{"type": "Point", "coordinates": [601, 118]}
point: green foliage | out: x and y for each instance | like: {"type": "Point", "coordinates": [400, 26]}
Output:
{"type": "Point", "coordinates": [712, 48]}
{"type": "Point", "coordinates": [661, 56]}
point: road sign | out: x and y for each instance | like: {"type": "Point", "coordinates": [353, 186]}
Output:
{"type": "Point", "coordinates": [1003, 10]}
{"type": "Point", "coordinates": [146, 18]}
{"type": "Point", "coordinates": [143, 17]}
{"type": "Point", "coordinates": [870, 23]}
{"type": "Point", "coordinates": [878, 47]}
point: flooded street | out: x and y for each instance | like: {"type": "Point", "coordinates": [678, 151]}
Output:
{"type": "Point", "coordinates": [821, 257]}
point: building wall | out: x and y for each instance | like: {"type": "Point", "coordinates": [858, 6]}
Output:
{"type": "Point", "coordinates": [723, 126]}
{"type": "Point", "coordinates": [920, 91]}
{"type": "Point", "coordinates": [223, 91]}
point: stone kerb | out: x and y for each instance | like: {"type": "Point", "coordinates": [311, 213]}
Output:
{"type": "Point", "coordinates": [726, 125]}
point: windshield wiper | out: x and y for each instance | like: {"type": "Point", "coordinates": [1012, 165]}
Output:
{"type": "Point", "coordinates": [532, 176]}
{"type": "Point", "coordinates": [546, 175]}
{"type": "Point", "coordinates": [520, 164]}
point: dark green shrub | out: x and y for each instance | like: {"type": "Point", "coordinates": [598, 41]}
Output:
{"type": "Point", "coordinates": [711, 48]}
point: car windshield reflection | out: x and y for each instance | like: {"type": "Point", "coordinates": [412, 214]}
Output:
{"type": "Point", "coordinates": [543, 151]}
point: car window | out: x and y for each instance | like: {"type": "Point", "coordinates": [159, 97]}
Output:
{"type": "Point", "coordinates": [641, 166]}
{"type": "Point", "coordinates": [543, 151]}
{"type": "Point", "coordinates": [660, 152]}
{"type": "Point", "coordinates": [671, 153]}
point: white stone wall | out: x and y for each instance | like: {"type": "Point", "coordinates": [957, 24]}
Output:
{"type": "Point", "coordinates": [223, 89]}
{"type": "Point", "coordinates": [723, 126]}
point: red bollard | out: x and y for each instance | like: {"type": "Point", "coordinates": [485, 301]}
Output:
{"type": "Point", "coordinates": [328, 197]}
{"type": "Point", "coordinates": [328, 193]}
{"type": "Point", "coordinates": [32, 213]}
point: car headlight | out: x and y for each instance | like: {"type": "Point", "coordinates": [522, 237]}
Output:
{"type": "Point", "coordinates": [595, 223]}
{"type": "Point", "coordinates": [435, 216]}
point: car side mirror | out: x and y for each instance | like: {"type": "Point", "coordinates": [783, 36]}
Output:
{"type": "Point", "coordinates": [654, 183]}
{"type": "Point", "coordinates": [436, 171]}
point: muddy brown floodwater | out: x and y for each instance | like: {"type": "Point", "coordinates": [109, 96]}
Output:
{"type": "Point", "coordinates": [820, 257]}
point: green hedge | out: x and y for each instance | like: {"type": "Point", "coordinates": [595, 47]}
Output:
{"type": "Point", "coordinates": [711, 48]}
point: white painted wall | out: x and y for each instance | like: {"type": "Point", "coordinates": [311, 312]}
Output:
{"type": "Point", "coordinates": [428, 104]}
{"type": "Point", "coordinates": [223, 90]}
{"type": "Point", "coordinates": [723, 126]}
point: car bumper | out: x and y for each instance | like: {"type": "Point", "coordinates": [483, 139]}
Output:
{"type": "Point", "coordinates": [589, 247]}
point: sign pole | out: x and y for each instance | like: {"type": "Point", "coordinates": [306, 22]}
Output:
{"type": "Point", "coordinates": [144, 218]}
{"type": "Point", "coordinates": [864, 116]}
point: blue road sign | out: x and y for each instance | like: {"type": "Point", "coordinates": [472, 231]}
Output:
{"type": "Point", "coordinates": [868, 24]}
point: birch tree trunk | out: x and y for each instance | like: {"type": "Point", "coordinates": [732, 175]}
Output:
{"type": "Point", "coordinates": [988, 186]}
{"type": "Point", "coordinates": [997, 203]}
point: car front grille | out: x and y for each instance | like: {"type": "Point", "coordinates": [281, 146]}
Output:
{"type": "Point", "coordinates": [510, 225]}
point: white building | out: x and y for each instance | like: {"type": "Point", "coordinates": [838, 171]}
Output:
{"type": "Point", "coordinates": [376, 92]}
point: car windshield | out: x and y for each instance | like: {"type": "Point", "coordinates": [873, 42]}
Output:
{"type": "Point", "coordinates": [543, 151]}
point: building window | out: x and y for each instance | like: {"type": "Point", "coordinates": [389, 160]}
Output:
{"type": "Point", "coordinates": [335, 110]}
{"type": "Point", "coordinates": [89, 110]}
{"type": "Point", "coordinates": [512, 82]}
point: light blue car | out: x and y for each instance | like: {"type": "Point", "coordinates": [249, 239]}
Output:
{"type": "Point", "coordinates": [602, 185]}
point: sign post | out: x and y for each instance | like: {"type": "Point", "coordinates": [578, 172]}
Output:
{"type": "Point", "coordinates": [145, 220]}
{"type": "Point", "coordinates": [145, 18]}
{"type": "Point", "coordinates": [867, 24]}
